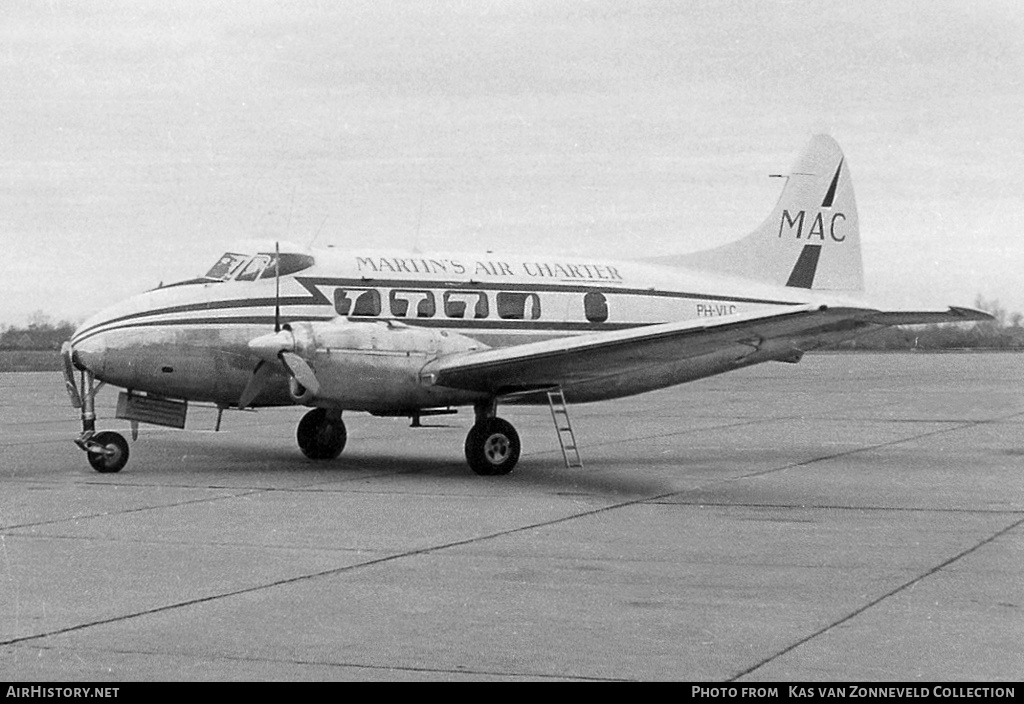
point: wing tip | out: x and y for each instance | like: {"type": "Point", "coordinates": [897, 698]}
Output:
{"type": "Point", "coordinates": [968, 314]}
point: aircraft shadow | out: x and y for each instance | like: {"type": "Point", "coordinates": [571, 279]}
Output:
{"type": "Point", "coordinates": [598, 477]}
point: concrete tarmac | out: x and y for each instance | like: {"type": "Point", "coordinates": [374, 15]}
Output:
{"type": "Point", "coordinates": [853, 517]}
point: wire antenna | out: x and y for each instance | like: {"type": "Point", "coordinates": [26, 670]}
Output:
{"type": "Point", "coordinates": [277, 287]}
{"type": "Point", "coordinates": [317, 233]}
{"type": "Point", "coordinates": [419, 219]}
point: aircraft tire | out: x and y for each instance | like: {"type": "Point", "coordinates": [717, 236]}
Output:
{"type": "Point", "coordinates": [320, 436]}
{"type": "Point", "coordinates": [116, 446]}
{"type": "Point", "coordinates": [492, 447]}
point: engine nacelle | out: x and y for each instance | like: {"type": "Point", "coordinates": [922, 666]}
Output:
{"type": "Point", "coordinates": [300, 394]}
{"type": "Point", "coordinates": [375, 365]}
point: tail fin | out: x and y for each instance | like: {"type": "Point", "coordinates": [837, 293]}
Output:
{"type": "Point", "coordinates": [811, 240]}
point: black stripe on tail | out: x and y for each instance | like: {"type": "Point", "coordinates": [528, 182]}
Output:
{"type": "Point", "coordinates": [831, 195]}
{"type": "Point", "coordinates": [802, 275]}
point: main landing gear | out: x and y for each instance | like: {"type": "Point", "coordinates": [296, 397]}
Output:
{"type": "Point", "coordinates": [321, 434]}
{"type": "Point", "coordinates": [492, 445]}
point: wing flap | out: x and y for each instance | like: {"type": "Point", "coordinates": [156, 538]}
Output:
{"type": "Point", "coordinates": [571, 360]}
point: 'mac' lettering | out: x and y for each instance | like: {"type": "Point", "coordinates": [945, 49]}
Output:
{"type": "Point", "coordinates": [795, 225]}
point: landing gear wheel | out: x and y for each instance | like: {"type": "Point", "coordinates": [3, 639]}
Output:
{"type": "Point", "coordinates": [321, 435]}
{"type": "Point", "coordinates": [115, 452]}
{"type": "Point", "coordinates": [492, 447]}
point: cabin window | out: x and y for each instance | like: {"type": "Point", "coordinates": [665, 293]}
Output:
{"type": "Point", "coordinates": [518, 306]}
{"type": "Point", "coordinates": [401, 300]}
{"type": "Point", "coordinates": [595, 305]}
{"type": "Point", "coordinates": [365, 303]}
{"type": "Point", "coordinates": [456, 302]}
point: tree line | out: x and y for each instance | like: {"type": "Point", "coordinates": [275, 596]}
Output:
{"type": "Point", "coordinates": [1005, 332]}
{"type": "Point", "coordinates": [41, 333]}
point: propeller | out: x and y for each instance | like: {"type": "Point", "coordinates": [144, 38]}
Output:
{"type": "Point", "coordinates": [278, 346]}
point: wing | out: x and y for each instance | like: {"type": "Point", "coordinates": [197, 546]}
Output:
{"type": "Point", "coordinates": [749, 338]}
{"type": "Point", "coordinates": [567, 361]}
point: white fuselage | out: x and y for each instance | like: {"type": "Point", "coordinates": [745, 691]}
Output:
{"type": "Point", "coordinates": [191, 340]}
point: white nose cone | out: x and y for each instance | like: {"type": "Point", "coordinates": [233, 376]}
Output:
{"type": "Point", "coordinates": [267, 347]}
{"type": "Point", "coordinates": [91, 353]}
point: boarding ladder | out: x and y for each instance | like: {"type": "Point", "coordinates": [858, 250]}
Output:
{"type": "Point", "coordinates": [566, 438]}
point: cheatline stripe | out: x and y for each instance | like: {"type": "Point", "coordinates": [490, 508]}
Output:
{"type": "Point", "coordinates": [316, 297]}
{"type": "Point", "coordinates": [456, 324]}
{"type": "Point", "coordinates": [311, 282]}
{"type": "Point", "coordinates": [191, 307]}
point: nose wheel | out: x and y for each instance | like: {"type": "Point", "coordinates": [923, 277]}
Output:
{"type": "Point", "coordinates": [107, 452]}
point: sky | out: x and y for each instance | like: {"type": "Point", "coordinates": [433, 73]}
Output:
{"type": "Point", "coordinates": [141, 139]}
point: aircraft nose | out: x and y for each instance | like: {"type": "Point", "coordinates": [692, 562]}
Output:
{"type": "Point", "coordinates": [88, 345]}
{"type": "Point", "coordinates": [88, 352]}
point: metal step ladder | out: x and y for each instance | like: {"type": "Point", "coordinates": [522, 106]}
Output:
{"type": "Point", "coordinates": [566, 437]}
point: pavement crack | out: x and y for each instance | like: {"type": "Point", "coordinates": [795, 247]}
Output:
{"type": "Point", "coordinates": [355, 665]}
{"type": "Point", "coordinates": [331, 572]}
{"type": "Point", "coordinates": [874, 602]}
{"type": "Point", "coordinates": [839, 507]}
{"type": "Point", "coordinates": [137, 509]}
{"type": "Point", "coordinates": [657, 436]}
{"type": "Point", "coordinates": [856, 450]}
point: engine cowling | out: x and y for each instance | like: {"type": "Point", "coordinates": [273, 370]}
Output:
{"type": "Point", "coordinates": [374, 365]}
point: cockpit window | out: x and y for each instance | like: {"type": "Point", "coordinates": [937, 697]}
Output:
{"type": "Point", "coordinates": [252, 270]}
{"type": "Point", "coordinates": [226, 266]}
{"type": "Point", "coordinates": [247, 267]}
{"type": "Point", "coordinates": [291, 263]}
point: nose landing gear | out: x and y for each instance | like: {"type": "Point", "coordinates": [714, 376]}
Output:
{"type": "Point", "coordinates": [107, 451]}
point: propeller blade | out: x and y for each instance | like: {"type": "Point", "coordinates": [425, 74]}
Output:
{"type": "Point", "coordinates": [257, 383]}
{"type": "Point", "coordinates": [302, 372]}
